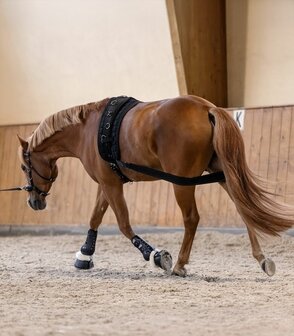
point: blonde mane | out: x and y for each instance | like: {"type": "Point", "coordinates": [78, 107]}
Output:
{"type": "Point", "coordinates": [58, 121]}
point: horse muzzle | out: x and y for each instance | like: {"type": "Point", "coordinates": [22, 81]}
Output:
{"type": "Point", "coordinates": [37, 204]}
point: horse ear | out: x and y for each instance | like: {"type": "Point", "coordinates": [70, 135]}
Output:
{"type": "Point", "coordinates": [24, 144]}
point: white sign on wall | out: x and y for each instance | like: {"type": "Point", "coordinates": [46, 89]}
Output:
{"type": "Point", "coordinates": [239, 116]}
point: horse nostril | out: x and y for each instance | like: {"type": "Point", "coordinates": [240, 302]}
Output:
{"type": "Point", "coordinates": [42, 205]}
{"type": "Point", "coordinates": [36, 204]}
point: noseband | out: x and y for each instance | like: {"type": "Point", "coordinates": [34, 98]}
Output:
{"type": "Point", "coordinates": [29, 169]}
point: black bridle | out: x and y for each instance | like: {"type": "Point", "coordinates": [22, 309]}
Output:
{"type": "Point", "coordinates": [29, 169]}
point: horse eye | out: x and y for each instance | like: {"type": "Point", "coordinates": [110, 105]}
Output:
{"type": "Point", "coordinates": [23, 167]}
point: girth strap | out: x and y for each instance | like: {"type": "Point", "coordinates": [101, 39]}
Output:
{"type": "Point", "coordinates": [111, 119]}
{"type": "Point", "coordinates": [109, 127]}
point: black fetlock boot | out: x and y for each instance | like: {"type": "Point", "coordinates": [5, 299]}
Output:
{"type": "Point", "coordinates": [84, 256]}
{"type": "Point", "coordinates": [160, 259]}
{"type": "Point", "coordinates": [143, 247]}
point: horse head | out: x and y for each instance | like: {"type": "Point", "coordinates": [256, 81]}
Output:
{"type": "Point", "coordinates": [40, 173]}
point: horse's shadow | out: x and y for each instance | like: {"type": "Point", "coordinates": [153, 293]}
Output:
{"type": "Point", "coordinates": [103, 273]}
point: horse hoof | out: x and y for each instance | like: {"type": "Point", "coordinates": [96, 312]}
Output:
{"type": "Point", "coordinates": [83, 261]}
{"type": "Point", "coordinates": [162, 259]}
{"type": "Point", "coordinates": [268, 266]}
{"type": "Point", "coordinates": [166, 261]}
{"type": "Point", "coordinates": [83, 264]}
{"type": "Point", "coordinates": [182, 272]}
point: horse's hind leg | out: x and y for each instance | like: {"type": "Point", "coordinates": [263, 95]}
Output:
{"type": "Point", "coordinates": [115, 197]}
{"type": "Point", "coordinates": [267, 265]}
{"type": "Point", "coordinates": [84, 256]}
{"type": "Point", "coordinates": [186, 200]}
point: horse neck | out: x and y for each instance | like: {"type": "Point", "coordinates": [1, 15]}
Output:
{"type": "Point", "coordinates": [77, 141]}
{"type": "Point", "coordinates": [65, 143]}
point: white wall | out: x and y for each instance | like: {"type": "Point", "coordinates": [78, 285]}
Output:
{"type": "Point", "coordinates": [260, 51]}
{"type": "Point", "coordinates": [58, 53]}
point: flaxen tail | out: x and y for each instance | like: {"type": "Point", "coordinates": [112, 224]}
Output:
{"type": "Point", "coordinates": [253, 202]}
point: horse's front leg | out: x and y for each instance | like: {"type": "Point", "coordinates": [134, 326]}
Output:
{"type": "Point", "coordinates": [115, 197]}
{"type": "Point", "coordinates": [186, 200]}
{"type": "Point", "coordinates": [84, 257]}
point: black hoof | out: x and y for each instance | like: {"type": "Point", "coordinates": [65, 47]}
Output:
{"type": "Point", "coordinates": [84, 264]}
{"type": "Point", "coordinates": [83, 261]}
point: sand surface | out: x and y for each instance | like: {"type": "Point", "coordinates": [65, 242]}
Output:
{"type": "Point", "coordinates": [225, 293]}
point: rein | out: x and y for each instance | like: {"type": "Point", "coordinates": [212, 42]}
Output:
{"type": "Point", "coordinates": [26, 188]}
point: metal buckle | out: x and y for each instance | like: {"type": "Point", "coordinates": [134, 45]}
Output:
{"type": "Point", "coordinates": [28, 188]}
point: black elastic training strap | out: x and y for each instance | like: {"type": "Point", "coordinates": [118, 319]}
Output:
{"type": "Point", "coordinates": [180, 180]}
{"type": "Point", "coordinates": [108, 145]}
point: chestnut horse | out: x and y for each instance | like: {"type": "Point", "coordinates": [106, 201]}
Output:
{"type": "Point", "coordinates": [184, 136]}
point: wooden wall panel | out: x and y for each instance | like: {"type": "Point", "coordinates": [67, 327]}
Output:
{"type": "Point", "coordinates": [198, 32]}
{"type": "Point", "coordinates": [176, 43]}
{"type": "Point", "coordinates": [269, 144]}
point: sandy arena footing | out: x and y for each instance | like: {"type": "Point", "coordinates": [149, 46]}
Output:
{"type": "Point", "coordinates": [225, 292]}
